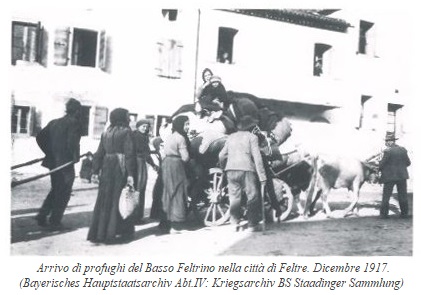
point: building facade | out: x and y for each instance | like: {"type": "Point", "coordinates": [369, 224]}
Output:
{"type": "Point", "coordinates": [330, 66]}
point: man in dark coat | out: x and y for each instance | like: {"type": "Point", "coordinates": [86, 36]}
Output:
{"type": "Point", "coordinates": [393, 167]}
{"type": "Point", "coordinates": [60, 142]}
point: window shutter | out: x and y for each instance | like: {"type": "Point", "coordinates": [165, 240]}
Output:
{"type": "Point", "coordinates": [100, 120]}
{"type": "Point", "coordinates": [169, 59]}
{"type": "Point", "coordinates": [37, 43]}
{"type": "Point", "coordinates": [31, 43]}
{"type": "Point", "coordinates": [42, 45]}
{"type": "Point", "coordinates": [32, 119]}
{"type": "Point", "coordinates": [36, 118]}
{"type": "Point", "coordinates": [177, 59]}
{"type": "Point", "coordinates": [14, 118]}
{"type": "Point", "coordinates": [17, 43]}
{"type": "Point", "coordinates": [61, 46]}
{"type": "Point", "coordinates": [161, 58]}
{"type": "Point", "coordinates": [371, 41]}
{"type": "Point", "coordinates": [102, 51]}
{"type": "Point", "coordinates": [172, 58]}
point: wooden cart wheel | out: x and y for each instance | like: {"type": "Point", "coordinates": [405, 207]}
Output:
{"type": "Point", "coordinates": [216, 207]}
{"type": "Point", "coordinates": [285, 197]}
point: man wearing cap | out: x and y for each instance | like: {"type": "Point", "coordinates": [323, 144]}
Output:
{"type": "Point", "coordinates": [244, 166]}
{"type": "Point", "coordinates": [60, 142]}
{"type": "Point", "coordinates": [393, 168]}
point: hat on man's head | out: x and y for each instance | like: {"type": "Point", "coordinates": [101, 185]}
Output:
{"type": "Point", "coordinates": [247, 122]}
{"type": "Point", "coordinates": [143, 122]}
{"type": "Point", "coordinates": [215, 79]}
{"type": "Point", "coordinates": [390, 136]}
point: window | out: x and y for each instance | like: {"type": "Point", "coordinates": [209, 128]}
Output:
{"type": "Point", "coordinates": [151, 119]}
{"type": "Point", "coordinates": [80, 47]}
{"type": "Point", "coordinates": [363, 112]}
{"type": "Point", "coordinates": [392, 111]}
{"type": "Point", "coordinates": [100, 120]}
{"type": "Point", "coordinates": [133, 121]}
{"type": "Point", "coordinates": [322, 56]}
{"type": "Point", "coordinates": [226, 45]}
{"type": "Point", "coordinates": [23, 118]}
{"type": "Point", "coordinates": [85, 120]}
{"type": "Point", "coordinates": [170, 14]}
{"type": "Point", "coordinates": [26, 42]}
{"type": "Point", "coordinates": [162, 123]}
{"type": "Point", "coordinates": [366, 38]}
{"type": "Point", "coordinates": [84, 47]}
{"type": "Point", "coordinates": [169, 59]}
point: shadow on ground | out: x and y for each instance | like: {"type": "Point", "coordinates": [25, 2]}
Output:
{"type": "Point", "coordinates": [364, 236]}
{"type": "Point", "coordinates": [25, 228]}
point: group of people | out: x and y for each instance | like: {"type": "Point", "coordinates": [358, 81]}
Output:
{"type": "Point", "coordinates": [123, 155]}
{"type": "Point", "coordinates": [119, 161]}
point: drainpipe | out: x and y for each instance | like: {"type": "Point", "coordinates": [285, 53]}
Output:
{"type": "Point", "coordinates": [197, 56]}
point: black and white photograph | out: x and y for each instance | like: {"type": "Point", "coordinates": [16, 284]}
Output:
{"type": "Point", "coordinates": [228, 135]}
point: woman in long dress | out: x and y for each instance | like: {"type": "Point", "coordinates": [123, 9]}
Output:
{"type": "Point", "coordinates": [115, 160]}
{"type": "Point", "coordinates": [143, 156]}
{"type": "Point", "coordinates": [156, 208]}
{"type": "Point", "coordinates": [174, 196]}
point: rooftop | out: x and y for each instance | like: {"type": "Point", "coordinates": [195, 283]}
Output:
{"type": "Point", "coordinates": [316, 18]}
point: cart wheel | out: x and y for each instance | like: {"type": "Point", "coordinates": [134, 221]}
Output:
{"type": "Point", "coordinates": [284, 196]}
{"type": "Point", "coordinates": [216, 207]}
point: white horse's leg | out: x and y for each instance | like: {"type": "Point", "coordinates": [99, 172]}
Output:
{"type": "Point", "coordinates": [326, 207]}
{"type": "Point", "coordinates": [355, 195]}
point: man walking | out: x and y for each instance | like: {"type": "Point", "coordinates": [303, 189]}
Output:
{"type": "Point", "coordinates": [60, 142]}
{"type": "Point", "coordinates": [393, 167]}
{"type": "Point", "coordinates": [244, 166]}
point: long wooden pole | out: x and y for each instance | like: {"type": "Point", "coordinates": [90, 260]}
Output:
{"type": "Point", "coordinates": [27, 163]}
{"type": "Point", "coordinates": [32, 178]}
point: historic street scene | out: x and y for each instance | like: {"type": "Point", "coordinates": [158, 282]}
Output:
{"type": "Point", "coordinates": [264, 132]}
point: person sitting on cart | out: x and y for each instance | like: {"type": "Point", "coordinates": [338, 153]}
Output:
{"type": "Point", "coordinates": [244, 167]}
{"type": "Point", "coordinates": [213, 89]}
{"type": "Point", "coordinates": [214, 110]}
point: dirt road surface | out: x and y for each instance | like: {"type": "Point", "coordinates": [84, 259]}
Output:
{"type": "Point", "coordinates": [363, 235]}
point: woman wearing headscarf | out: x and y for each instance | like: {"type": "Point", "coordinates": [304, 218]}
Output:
{"type": "Point", "coordinates": [115, 159]}
{"type": "Point", "coordinates": [206, 75]}
{"type": "Point", "coordinates": [143, 156]}
{"type": "Point", "coordinates": [174, 195]}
